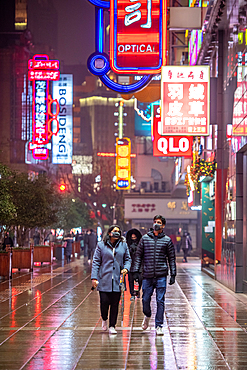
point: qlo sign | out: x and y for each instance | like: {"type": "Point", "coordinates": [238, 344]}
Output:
{"type": "Point", "coordinates": [185, 100]}
{"type": "Point", "coordinates": [137, 36]}
{"type": "Point", "coordinates": [123, 171]}
{"type": "Point", "coordinates": [169, 146]}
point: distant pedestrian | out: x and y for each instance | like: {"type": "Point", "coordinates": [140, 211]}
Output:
{"type": "Point", "coordinates": [133, 237]}
{"type": "Point", "coordinates": [7, 241]}
{"type": "Point", "coordinates": [154, 249]}
{"type": "Point", "coordinates": [111, 258]}
{"type": "Point", "coordinates": [190, 242]}
{"type": "Point", "coordinates": [178, 243]}
{"type": "Point", "coordinates": [68, 239]}
{"type": "Point", "coordinates": [36, 237]}
{"type": "Point", "coordinates": [91, 244]}
{"type": "Point", "coordinates": [185, 245]}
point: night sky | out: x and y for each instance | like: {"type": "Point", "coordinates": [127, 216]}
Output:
{"type": "Point", "coordinates": [75, 30]}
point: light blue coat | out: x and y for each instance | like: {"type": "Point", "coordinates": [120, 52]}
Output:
{"type": "Point", "coordinates": [107, 265]}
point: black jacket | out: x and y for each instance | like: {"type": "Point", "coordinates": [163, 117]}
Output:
{"type": "Point", "coordinates": [154, 253]}
{"type": "Point", "coordinates": [133, 246]}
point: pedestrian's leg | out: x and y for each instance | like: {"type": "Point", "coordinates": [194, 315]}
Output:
{"type": "Point", "coordinates": [85, 251]}
{"type": "Point", "coordinates": [114, 302]}
{"type": "Point", "coordinates": [140, 284]}
{"type": "Point", "coordinates": [147, 290]}
{"type": "Point", "coordinates": [131, 283]}
{"type": "Point", "coordinates": [160, 299]}
{"type": "Point", "coordinates": [104, 304]}
{"type": "Point", "coordinates": [185, 254]}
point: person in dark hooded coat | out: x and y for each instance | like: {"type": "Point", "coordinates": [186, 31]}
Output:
{"type": "Point", "coordinates": [133, 237]}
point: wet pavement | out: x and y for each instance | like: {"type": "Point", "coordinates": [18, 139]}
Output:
{"type": "Point", "coordinates": [51, 320]}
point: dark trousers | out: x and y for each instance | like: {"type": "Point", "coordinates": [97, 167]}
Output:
{"type": "Point", "coordinates": [131, 282]}
{"type": "Point", "coordinates": [186, 251]}
{"type": "Point", "coordinates": [109, 299]}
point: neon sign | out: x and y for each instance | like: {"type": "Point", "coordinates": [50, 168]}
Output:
{"type": "Point", "coordinates": [42, 112]}
{"type": "Point", "coordinates": [169, 146]}
{"type": "Point", "coordinates": [185, 101]}
{"type": "Point", "coordinates": [123, 168]}
{"type": "Point", "coordinates": [136, 29]}
{"type": "Point", "coordinates": [137, 41]}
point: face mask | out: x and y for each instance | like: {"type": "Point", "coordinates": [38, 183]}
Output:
{"type": "Point", "coordinates": [134, 241]}
{"type": "Point", "coordinates": [157, 227]}
{"type": "Point", "coordinates": [115, 234]}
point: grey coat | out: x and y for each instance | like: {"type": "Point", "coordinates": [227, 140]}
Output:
{"type": "Point", "coordinates": [108, 263]}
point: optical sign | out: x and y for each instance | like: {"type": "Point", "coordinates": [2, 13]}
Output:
{"type": "Point", "coordinates": [185, 101]}
{"type": "Point", "coordinates": [137, 36]}
{"type": "Point", "coordinates": [123, 168]}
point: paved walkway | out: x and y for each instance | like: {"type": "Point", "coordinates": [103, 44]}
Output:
{"type": "Point", "coordinates": [51, 320]}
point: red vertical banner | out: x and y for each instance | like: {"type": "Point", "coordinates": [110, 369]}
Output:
{"type": "Point", "coordinates": [137, 36]}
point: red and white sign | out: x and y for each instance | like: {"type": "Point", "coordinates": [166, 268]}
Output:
{"type": "Point", "coordinates": [185, 100]}
{"type": "Point", "coordinates": [169, 146]}
{"type": "Point", "coordinates": [41, 68]}
{"type": "Point", "coordinates": [137, 36]}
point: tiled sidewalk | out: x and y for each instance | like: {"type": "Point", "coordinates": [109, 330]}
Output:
{"type": "Point", "coordinates": [51, 320]}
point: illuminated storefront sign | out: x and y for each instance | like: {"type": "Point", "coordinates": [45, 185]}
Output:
{"type": "Point", "coordinates": [239, 122]}
{"type": "Point", "coordinates": [43, 117]}
{"type": "Point", "coordinates": [137, 36]}
{"type": "Point", "coordinates": [185, 101]}
{"type": "Point", "coordinates": [169, 146]}
{"type": "Point", "coordinates": [123, 168]}
{"type": "Point", "coordinates": [62, 143]}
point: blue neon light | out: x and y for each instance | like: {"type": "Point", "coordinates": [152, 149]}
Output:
{"type": "Point", "coordinates": [101, 3]}
{"type": "Point", "coordinates": [98, 62]}
{"type": "Point", "coordinates": [126, 88]}
{"type": "Point", "coordinates": [99, 36]}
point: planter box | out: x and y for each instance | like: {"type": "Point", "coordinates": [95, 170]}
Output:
{"type": "Point", "coordinates": [43, 253]}
{"type": "Point", "coordinates": [5, 264]}
{"type": "Point", "coordinates": [22, 259]}
{"type": "Point", "coordinates": [76, 248]}
{"type": "Point", "coordinates": [59, 252]}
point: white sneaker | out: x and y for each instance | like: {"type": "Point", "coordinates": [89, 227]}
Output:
{"type": "Point", "coordinates": [159, 330]}
{"type": "Point", "coordinates": [112, 330]}
{"type": "Point", "coordinates": [104, 325]}
{"type": "Point", "coordinates": [145, 322]}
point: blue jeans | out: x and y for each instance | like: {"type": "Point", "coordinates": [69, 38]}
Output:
{"type": "Point", "coordinates": [148, 286]}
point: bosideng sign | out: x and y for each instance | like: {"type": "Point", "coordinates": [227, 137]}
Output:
{"type": "Point", "coordinates": [169, 146]}
{"type": "Point", "coordinates": [62, 143]}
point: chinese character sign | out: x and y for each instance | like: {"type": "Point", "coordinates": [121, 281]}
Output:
{"type": "Point", "coordinates": [123, 168]}
{"type": "Point", "coordinates": [41, 70]}
{"type": "Point", "coordinates": [185, 100]}
{"type": "Point", "coordinates": [168, 146]}
{"type": "Point", "coordinates": [137, 29]}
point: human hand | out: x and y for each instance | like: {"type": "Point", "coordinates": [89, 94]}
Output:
{"type": "Point", "coordinates": [172, 280]}
{"type": "Point", "coordinates": [124, 272]}
{"type": "Point", "coordinates": [94, 283]}
{"type": "Point", "coordinates": [136, 276]}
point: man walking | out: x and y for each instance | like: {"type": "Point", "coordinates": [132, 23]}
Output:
{"type": "Point", "coordinates": [154, 249]}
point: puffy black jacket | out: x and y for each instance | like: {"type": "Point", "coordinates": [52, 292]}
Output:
{"type": "Point", "coordinates": [154, 253]}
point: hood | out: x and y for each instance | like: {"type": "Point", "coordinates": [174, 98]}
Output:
{"type": "Point", "coordinates": [133, 231]}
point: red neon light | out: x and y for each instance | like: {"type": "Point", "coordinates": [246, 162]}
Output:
{"type": "Point", "coordinates": [169, 146]}
{"type": "Point", "coordinates": [100, 154]}
{"type": "Point", "coordinates": [62, 187]}
{"type": "Point", "coordinates": [41, 68]}
{"type": "Point", "coordinates": [137, 40]}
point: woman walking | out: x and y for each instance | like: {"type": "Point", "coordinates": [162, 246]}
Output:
{"type": "Point", "coordinates": [110, 260]}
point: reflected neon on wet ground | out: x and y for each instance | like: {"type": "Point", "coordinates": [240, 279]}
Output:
{"type": "Point", "coordinates": [51, 320]}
